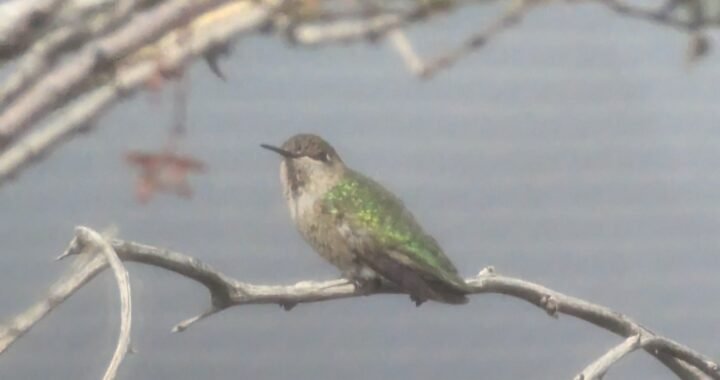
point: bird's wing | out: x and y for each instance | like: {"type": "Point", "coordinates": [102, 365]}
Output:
{"type": "Point", "coordinates": [380, 228]}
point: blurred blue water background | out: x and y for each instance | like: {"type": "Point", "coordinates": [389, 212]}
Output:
{"type": "Point", "coordinates": [577, 151]}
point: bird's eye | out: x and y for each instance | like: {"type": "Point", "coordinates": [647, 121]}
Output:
{"type": "Point", "coordinates": [324, 157]}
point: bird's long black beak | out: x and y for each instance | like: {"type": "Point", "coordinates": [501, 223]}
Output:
{"type": "Point", "coordinates": [279, 151]}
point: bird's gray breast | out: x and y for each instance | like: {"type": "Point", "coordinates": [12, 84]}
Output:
{"type": "Point", "coordinates": [302, 205]}
{"type": "Point", "coordinates": [333, 239]}
{"type": "Point", "coordinates": [319, 229]}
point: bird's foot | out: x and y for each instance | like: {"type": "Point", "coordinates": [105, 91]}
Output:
{"type": "Point", "coordinates": [287, 305]}
{"type": "Point", "coordinates": [367, 286]}
{"type": "Point", "coordinates": [418, 301]}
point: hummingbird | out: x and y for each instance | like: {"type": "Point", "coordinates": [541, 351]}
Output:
{"type": "Point", "coordinates": [360, 227]}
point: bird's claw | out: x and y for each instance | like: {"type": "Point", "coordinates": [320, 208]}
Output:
{"type": "Point", "coordinates": [366, 286]}
{"type": "Point", "coordinates": [287, 306]}
{"type": "Point", "coordinates": [418, 301]}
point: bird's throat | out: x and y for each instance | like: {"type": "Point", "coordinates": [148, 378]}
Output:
{"type": "Point", "coordinates": [301, 204]}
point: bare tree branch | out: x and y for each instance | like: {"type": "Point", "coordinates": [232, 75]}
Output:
{"type": "Point", "coordinates": [597, 369]}
{"type": "Point", "coordinates": [87, 239]}
{"type": "Point", "coordinates": [53, 90]}
{"type": "Point", "coordinates": [38, 87]}
{"type": "Point", "coordinates": [227, 292]}
{"type": "Point", "coordinates": [345, 31]}
{"type": "Point", "coordinates": [686, 354]}
{"type": "Point", "coordinates": [666, 14]}
{"type": "Point", "coordinates": [430, 67]}
{"type": "Point", "coordinates": [83, 269]}
{"type": "Point", "coordinates": [21, 22]}
{"type": "Point", "coordinates": [44, 53]}
{"type": "Point", "coordinates": [405, 49]}
{"type": "Point", "coordinates": [681, 369]}
{"type": "Point", "coordinates": [238, 19]}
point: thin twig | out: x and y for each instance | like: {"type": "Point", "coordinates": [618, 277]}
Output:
{"type": "Point", "coordinates": [182, 326]}
{"type": "Point", "coordinates": [509, 19]}
{"type": "Point", "coordinates": [597, 369]}
{"type": "Point", "coordinates": [404, 47]}
{"type": "Point", "coordinates": [665, 15]}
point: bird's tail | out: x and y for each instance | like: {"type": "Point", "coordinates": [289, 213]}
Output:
{"type": "Point", "coordinates": [450, 294]}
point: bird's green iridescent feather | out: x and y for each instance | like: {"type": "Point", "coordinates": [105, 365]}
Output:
{"type": "Point", "coordinates": [367, 205]}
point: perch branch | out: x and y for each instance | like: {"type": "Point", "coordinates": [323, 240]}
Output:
{"type": "Point", "coordinates": [227, 292]}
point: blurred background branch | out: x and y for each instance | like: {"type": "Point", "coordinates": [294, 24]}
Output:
{"type": "Point", "coordinates": [62, 58]}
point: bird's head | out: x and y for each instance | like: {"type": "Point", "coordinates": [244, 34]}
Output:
{"type": "Point", "coordinates": [309, 162]}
